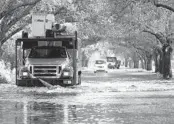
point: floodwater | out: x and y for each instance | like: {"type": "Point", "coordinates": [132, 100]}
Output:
{"type": "Point", "coordinates": [117, 97]}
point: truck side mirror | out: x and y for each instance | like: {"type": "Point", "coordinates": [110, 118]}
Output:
{"type": "Point", "coordinates": [79, 72]}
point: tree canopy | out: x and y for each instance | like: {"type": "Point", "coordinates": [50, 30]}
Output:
{"type": "Point", "coordinates": [140, 26]}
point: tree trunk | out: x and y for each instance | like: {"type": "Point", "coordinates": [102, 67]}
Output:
{"type": "Point", "coordinates": [167, 71]}
{"type": "Point", "coordinates": [148, 57]}
{"type": "Point", "coordinates": [145, 63]}
{"type": "Point", "coordinates": [126, 62]}
{"type": "Point", "coordinates": [142, 64]}
{"type": "Point", "coordinates": [161, 64]}
{"type": "Point", "coordinates": [130, 64]}
{"type": "Point", "coordinates": [157, 61]}
{"type": "Point", "coordinates": [136, 64]}
{"type": "Point", "coordinates": [149, 63]}
{"type": "Point", "coordinates": [86, 62]}
{"type": "Point", "coordinates": [135, 60]}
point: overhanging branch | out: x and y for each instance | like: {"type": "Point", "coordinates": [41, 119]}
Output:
{"type": "Point", "coordinates": [19, 17]}
{"type": "Point", "coordinates": [159, 36]}
{"type": "Point", "coordinates": [11, 34]}
{"type": "Point", "coordinates": [60, 10]}
{"type": "Point", "coordinates": [6, 12]}
{"type": "Point", "coordinates": [163, 6]}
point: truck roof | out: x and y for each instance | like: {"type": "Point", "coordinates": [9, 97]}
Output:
{"type": "Point", "coordinates": [111, 57]}
{"type": "Point", "coordinates": [49, 47]}
{"type": "Point", "coordinates": [63, 38]}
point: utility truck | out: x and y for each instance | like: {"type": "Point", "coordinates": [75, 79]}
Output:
{"type": "Point", "coordinates": [50, 54]}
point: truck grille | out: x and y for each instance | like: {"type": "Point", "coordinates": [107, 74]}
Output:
{"type": "Point", "coordinates": [46, 71]}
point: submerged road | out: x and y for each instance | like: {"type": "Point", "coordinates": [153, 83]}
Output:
{"type": "Point", "coordinates": [121, 96]}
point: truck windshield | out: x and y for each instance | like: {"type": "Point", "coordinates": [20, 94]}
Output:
{"type": "Point", "coordinates": [57, 52]}
{"type": "Point", "coordinates": [111, 59]}
{"type": "Point", "coordinates": [100, 62]}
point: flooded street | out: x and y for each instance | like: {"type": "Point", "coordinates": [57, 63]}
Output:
{"type": "Point", "coordinates": [96, 61]}
{"type": "Point", "coordinates": [120, 96]}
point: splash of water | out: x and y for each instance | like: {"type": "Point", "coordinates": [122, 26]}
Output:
{"type": "Point", "coordinates": [6, 72]}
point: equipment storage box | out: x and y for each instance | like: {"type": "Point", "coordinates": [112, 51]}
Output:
{"type": "Point", "coordinates": [38, 25]}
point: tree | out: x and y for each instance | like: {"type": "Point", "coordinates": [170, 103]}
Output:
{"type": "Point", "coordinates": [13, 16]}
{"type": "Point", "coordinates": [163, 62]}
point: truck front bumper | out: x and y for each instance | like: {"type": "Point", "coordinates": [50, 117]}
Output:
{"type": "Point", "coordinates": [30, 82]}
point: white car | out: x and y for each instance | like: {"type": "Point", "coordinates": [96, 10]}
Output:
{"type": "Point", "coordinates": [100, 65]}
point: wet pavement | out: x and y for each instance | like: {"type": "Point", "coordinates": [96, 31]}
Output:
{"type": "Point", "coordinates": [118, 97]}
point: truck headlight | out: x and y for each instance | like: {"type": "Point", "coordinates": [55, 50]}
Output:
{"type": "Point", "coordinates": [25, 74]}
{"type": "Point", "coordinates": [66, 73]}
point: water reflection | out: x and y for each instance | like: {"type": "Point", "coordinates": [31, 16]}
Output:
{"type": "Point", "coordinates": [37, 113]}
{"type": "Point", "coordinates": [126, 110]}
{"type": "Point", "coordinates": [29, 112]}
